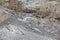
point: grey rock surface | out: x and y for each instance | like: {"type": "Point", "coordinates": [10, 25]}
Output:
{"type": "Point", "coordinates": [24, 27]}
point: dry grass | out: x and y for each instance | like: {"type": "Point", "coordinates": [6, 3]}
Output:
{"type": "Point", "coordinates": [48, 10]}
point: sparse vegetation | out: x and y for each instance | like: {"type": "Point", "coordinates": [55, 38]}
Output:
{"type": "Point", "coordinates": [29, 20]}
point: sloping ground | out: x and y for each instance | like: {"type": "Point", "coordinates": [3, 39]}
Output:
{"type": "Point", "coordinates": [16, 30]}
{"type": "Point", "coordinates": [27, 26]}
{"type": "Point", "coordinates": [23, 26]}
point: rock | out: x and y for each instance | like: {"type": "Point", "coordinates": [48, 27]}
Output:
{"type": "Point", "coordinates": [4, 15]}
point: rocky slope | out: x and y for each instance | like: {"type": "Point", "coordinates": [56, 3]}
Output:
{"type": "Point", "coordinates": [37, 20]}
